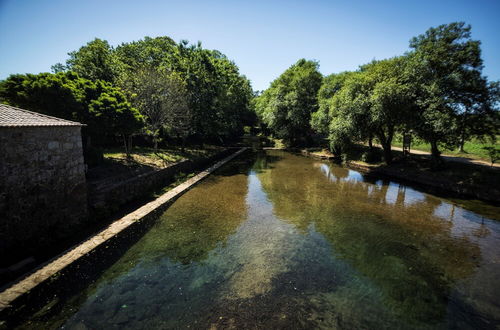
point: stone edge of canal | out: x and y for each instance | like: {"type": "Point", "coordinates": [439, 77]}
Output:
{"type": "Point", "coordinates": [24, 287]}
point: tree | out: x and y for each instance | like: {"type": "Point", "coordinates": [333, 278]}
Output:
{"type": "Point", "coordinates": [160, 96]}
{"type": "Point", "coordinates": [373, 102]}
{"type": "Point", "coordinates": [346, 112]}
{"type": "Point", "coordinates": [446, 70]}
{"type": "Point", "coordinates": [286, 106]}
{"type": "Point", "coordinates": [112, 112]}
{"type": "Point", "coordinates": [61, 95]}
{"type": "Point", "coordinates": [391, 101]}
{"type": "Point", "coordinates": [160, 52]}
{"type": "Point", "coordinates": [218, 96]}
{"type": "Point", "coordinates": [320, 120]}
{"type": "Point", "coordinates": [232, 101]}
{"type": "Point", "coordinates": [102, 107]}
{"type": "Point", "coordinates": [94, 61]}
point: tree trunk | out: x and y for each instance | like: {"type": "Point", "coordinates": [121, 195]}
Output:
{"type": "Point", "coordinates": [127, 151]}
{"type": "Point", "coordinates": [370, 142]}
{"type": "Point", "coordinates": [435, 154]}
{"type": "Point", "coordinates": [183, 141]}
{"type": "Point", "coordinates": [387, 153]}
{"type": "Point", "coordinates": [386, 142]}
{"type": "Point", "coordinates": [461, 143]}
{"type": "Point", "coordinates": [434, 149]}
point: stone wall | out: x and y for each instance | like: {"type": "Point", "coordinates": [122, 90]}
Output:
{"type": "Point", "coordinates": [103, 201]}
{"type": "Point", "coordinates": [43, 193]}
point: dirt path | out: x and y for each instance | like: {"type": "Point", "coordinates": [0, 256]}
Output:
{"type": "Point", "coordinates": [453, 158]}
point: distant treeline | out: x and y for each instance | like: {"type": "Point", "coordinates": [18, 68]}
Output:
{"type": "Point", "coordinates": [154, 86]}
{"type": "Point", "coordinates": [436, 90]}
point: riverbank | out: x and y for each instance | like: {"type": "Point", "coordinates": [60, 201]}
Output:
{"type": "Point", "coordinates": [456, 179]}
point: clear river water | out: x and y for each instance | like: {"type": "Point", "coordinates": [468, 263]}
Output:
{"type": "Point", "coordinates": [277, 240]}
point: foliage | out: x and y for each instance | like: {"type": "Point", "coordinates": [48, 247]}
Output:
{"type": "Point", "coordinates": [374, 101]}
{"type": "Point", "coordinates": [331, 85]}
{"type": "Point", "coordinates": [218, 96]}
{"type": "Point", "coordinates": [286, 106]}
{"type": "Point", "coordinates": [437, 90]}
{"type": "Point", "coordinates": [102, 107]}
{"type": "Point", "coordinates": [94, 61]}
{"type": "Point", "coordinates": [161, 98]}
{"type": "Point", "coordinates": [445, 70]}
{"type": "Point", "coordinates": [493, 153]}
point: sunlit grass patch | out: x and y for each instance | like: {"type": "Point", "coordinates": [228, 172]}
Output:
{"type": "Point", "coordinates": [473, 149]}
{"type": "Point", "coordinates": [157, 158]}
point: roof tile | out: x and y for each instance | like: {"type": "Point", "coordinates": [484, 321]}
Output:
{"type": "Point", "coordinates": [14, 117]}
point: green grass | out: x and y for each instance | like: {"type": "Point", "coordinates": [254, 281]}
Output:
{"type": "Point", "coordinates": [473, 149]}
{"type": "Point", "coordinates": [160, 157]}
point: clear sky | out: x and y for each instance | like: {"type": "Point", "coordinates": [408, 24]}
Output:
{"type": "Point", "coordinates": [262, 37]}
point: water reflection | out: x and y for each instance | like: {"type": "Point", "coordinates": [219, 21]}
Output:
{"type": "Point", "coordinates": [388, 232]}
{"type": "Point", "coordinates": [280, 241]}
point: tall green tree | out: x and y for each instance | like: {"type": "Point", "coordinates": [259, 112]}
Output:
{"type": "Point", "coordinates": [373, 102]}
{"type": "Point", "coordinates": [160, 97]}
{"type": "Point", "coordinates": [332, 84]}
{"type": "Point", "coordinates": [286, 106]}
{"type": "Point", "coordinates": [446, 68]}
{"type": "Point", "coordinates": [218, 96]}
{"type": "Point", "coordinates": [94, 61]}
{"type": "Point", "coordinates": [111, 112]}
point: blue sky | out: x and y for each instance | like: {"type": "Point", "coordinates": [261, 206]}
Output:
{"type": "Point", "coordinates": [262, 37]}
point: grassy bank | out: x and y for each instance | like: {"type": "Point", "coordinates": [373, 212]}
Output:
{"type": "Point", "coordinates": [473, 148]}
{"type": "Point", "coordinates": [116, 166]}
{"type": "Point", "coordinates": [158, 158]}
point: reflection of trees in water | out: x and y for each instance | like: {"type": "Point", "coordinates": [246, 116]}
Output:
{"type": "Point", "coordinates": [408, 252]}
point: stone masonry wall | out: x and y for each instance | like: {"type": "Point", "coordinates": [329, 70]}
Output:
{"type": "Point", "coordinates": [43, 194]}
{"type": "Point", "coordinates": [103, 201]}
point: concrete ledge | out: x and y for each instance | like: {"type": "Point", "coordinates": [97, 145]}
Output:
{"type": "Point", "coordinates": [44, 273]}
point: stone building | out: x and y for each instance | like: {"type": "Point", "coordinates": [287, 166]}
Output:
{"type": "Point", "coordinates": [43, 194]}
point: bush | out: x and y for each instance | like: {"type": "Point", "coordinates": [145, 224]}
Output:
{"type": "Point", "coordinates": [371, 156]}
{"type": "Point", "coordinates": [493, 153]}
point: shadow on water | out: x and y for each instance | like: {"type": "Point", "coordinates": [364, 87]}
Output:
{"type": "Point", "coordinates": [275, 240]}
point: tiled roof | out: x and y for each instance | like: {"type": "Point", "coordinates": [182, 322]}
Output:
{"type": "Point", "coordinates": [14, 117]}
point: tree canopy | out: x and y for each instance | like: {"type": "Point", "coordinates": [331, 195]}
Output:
{"type": "Point", "coordinates": [179, 90]}
{"type": "Point", "coordinates": [103, 108]}
{"type": "Point", "coordinates": [286, 106]}
{"type": "Point", "coordinates": [435, 90]}
{"type": "Point", "coordinates": [446, 71]}
{"type": "Point", "coordinates": [206, 96]}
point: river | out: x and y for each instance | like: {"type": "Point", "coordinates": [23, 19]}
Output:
{"type": "Point", "coordinates": [277, 240]}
